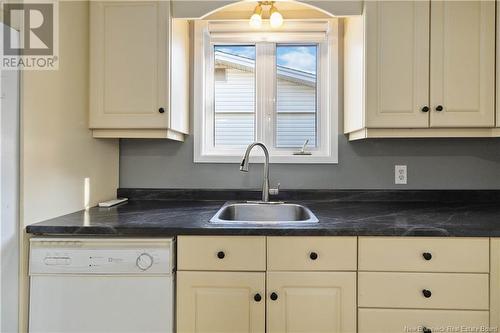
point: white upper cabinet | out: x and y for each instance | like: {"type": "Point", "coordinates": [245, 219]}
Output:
{"type": "Point", "coordinates": [132, 47]}
{"type": "Point", "coordinates": [462, 63]}
{"type": "Point", "coordinates": [397, 56]}
{"type": "Point", "coordinates": [420, 69]}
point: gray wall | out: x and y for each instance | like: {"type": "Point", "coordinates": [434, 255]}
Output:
{"type": "Point", "coordinates": [432, 164]}
{"type": "Point", "coordinates": [368, 164]}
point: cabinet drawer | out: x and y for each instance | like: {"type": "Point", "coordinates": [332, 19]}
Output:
{"type": "Point", "coordinates": [311, 253]}
{"type": "Point", "coordinates": [406, 290]}
{"type": "Point", "coordinates": [420, 254]}
{"type": "Point", "coordinates": [221, 253]}
{"type": "Point", "coordinates": [404, 321]}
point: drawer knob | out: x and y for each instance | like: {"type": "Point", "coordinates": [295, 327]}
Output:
{"type": "Point", "coordinates": [313, 255]}
{"type": "Point", "coordinates": [426, 330]}
{"type": "Point", "coordinates": [427, 293]}
{"type": "Point", "coordinates": [427, 255]}
{"type": "Point", "coordinates": [257, 297]}
{"type": "Point", "coordinates": [425, 109]}
{"type": "Point", "coordinates": [439, 108]}
{"type": "Point", "coordinates": [221, 254]}
{"type": "Point", "coordinates": [161, 110]}
{"type": "Point", "coordinates": [274, 296]}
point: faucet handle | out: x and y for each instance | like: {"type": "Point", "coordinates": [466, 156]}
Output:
{"type": "Point", "coordinates": [275, 191]}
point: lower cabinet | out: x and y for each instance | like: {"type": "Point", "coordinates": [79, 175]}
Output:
{"type": "Point", "coordinates": [231, 302]}
{"type": "Point", "coordinates": [495, 283]}
{"type": "Point", "coordinates": [426, 321]}
{"type": "Point", "coordinates": [225, 286]}
{"type": "Point", "coordinates": [221, 302]}
{"type": "Point", "coordinates": [311, 302]}
{"type": "Point", "coordinates": [423, 284]}
{"type": "Point", "coordinates": [423, 290]}
{"type": "Point", "coordinates": [315, 284]}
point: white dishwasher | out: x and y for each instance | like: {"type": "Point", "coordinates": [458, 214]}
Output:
{"type": "Point", "coordinates": [92, 285]}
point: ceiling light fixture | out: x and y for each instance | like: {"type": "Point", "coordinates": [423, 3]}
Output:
{"type": "Point", "coordinates": [256, 18]}
{"type": "Point", "coordinates": [275, 17]}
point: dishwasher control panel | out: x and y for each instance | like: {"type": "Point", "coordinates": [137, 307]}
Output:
{"type": "Point", "coordinates": [101, 256]}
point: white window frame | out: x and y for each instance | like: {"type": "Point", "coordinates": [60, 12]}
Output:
{"type": "Point", "coordinates": [323, 32]}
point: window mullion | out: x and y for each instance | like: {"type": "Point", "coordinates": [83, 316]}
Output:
{"type": "Point", "coordinates": [271, 89]}
{"type": "Point", "coordinates": [259, 91]}
{"type": "Point", "coordinates": [266, 91]}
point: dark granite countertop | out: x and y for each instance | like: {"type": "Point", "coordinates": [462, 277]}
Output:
{"type": "Point", "coordinates": [344, 213]}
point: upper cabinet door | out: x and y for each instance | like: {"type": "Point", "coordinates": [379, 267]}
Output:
{"type": "Point", "coordinates": [129, 64]}
{"type": "Point", "coordinates": [463, 63]}
{"type": "Point", "coordinates": [397, 60]}
{"type": "Point", "coordinates": [304, 302]}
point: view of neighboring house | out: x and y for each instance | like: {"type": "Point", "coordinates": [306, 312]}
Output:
{"type": "Point", "coordinates": [235, 109]}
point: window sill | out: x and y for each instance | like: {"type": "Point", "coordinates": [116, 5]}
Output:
{"type": "Point", "coordinates": [257, 158]}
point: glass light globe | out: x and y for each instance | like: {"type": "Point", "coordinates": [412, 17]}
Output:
{"type": "Point", "coordinates": [276, 19]}
{"type": "Point", "coordinates": [255, 20]}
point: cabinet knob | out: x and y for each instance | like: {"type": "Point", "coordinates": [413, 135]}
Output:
{"type": "Point", "coordinates": [439, 108]}
{"type": "Point", "coordinates": [274, 296]}
{"type": "Point", "coordinates": [425, 109]}
{"type": "Point", "coordinates": [221, 254]}
{"type": "Point", "coordinates": [427, 293]}
{"type": "Point", "coordinates": [257, 297]}
{"type": "Point", "coordinates": [426, 330]}
{"type": "Point", "coordinates": [427, 255]}
{"type": "Point", "coordinates": [161, 110]}
{"type": "Point", "coordinates": [313, 255]}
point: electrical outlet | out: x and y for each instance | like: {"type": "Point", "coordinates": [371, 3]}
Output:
{"type": "Point", "coordinates": [400, 174]}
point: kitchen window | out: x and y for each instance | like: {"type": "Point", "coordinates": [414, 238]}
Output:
{"type": "Point", "coordinates": [276, 87]}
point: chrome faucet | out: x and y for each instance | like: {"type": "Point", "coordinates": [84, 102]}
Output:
{"type": "Point", "coordinates": [265, 185]}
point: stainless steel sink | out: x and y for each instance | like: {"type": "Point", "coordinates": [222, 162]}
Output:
{"type": "Point", "coordinates": [263, 212]}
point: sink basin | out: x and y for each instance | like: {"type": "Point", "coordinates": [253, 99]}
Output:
{"type": "Point", "coordinates": [263, 212]}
